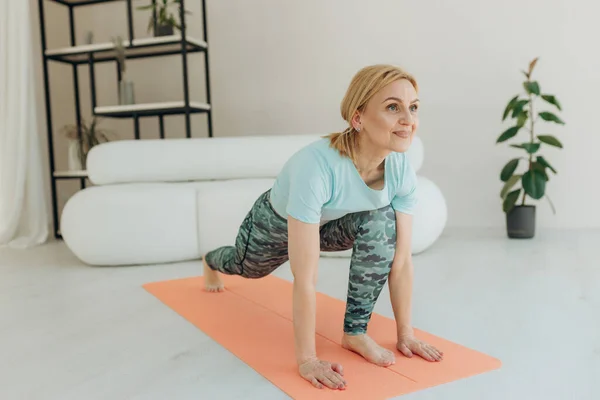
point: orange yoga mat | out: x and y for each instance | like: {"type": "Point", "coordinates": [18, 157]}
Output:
{"type": "Point", "coordinates": [253, 320]}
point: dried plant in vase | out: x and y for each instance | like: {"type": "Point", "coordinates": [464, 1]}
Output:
{"type": "Point", "coordinates": [80, 145]}
{"type": "Point", "coordinates": [126, 95]}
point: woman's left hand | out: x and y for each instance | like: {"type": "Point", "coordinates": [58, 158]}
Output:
{"type": "Point", "coordinates": [409, 345]}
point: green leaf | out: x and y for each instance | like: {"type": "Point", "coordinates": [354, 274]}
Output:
{"type": "Point", "coordinates": [531, 148]}
{"type": "Point", "coordinates": [534, 184]}
{"type": "Point", "coordinates": [541, 169]}
{"type": "Point", "coordinates": [545, 163]}
{"type": "Point", "coordinates": [532, 87]}
{"type": "Point", "coordinates": [507, 134]}
{"type": "Point", "coordinates": [551, 140]}
{"type": "Point", "coordinates": [518, 107]}
{"type": "Point", "coordinates": [510, 200]}
{"type": "Point", "coordinates": [508, 169]}
{"type": "Point", "coordinates": [148, 7]}
{"type": "Point", "coordinates": [509, 184]}
{"type": "Point", "coordinates": [552, 100]}
{"type": "Point", "coordinates": [522, 118]}
{"type": "Point", "coordinates": [548, 116]}
{"type": "Point", "coordinates": [509, 106]}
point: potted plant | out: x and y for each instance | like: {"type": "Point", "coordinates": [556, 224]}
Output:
{"type": "Point", "coordinates": [162, 20]}
{"type": "Point", "coordinates": [81, 140]}
{"type": "Point", "coordinates": [126, 94]}
{"type": "Point", "coordinates": [520, 218]}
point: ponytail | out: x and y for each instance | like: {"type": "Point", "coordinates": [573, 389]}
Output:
{"type": "Point", "coordinates": [345, 142]}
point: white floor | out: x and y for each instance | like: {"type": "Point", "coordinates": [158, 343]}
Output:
{"type": "Point", "coordinates": [70, 331]}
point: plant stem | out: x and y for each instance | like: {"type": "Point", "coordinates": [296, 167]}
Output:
{"type": "Point", "coordinates": [530, 141]}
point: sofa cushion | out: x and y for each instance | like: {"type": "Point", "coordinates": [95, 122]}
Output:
{"type": "Point", "coordinates": [195, 159]}
{"type": "Point", "coordinates": [132, 224]}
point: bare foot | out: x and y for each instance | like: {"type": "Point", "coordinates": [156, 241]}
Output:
{"type": "Point", "coordinates": [212, 280]}
{"type": "Point", "coordinates": [371, 351]}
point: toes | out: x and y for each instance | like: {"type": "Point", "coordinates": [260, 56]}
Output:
{"type": "Point", "coordinates": [386, 358]}
{"type": "Point", "coordinates": [214, 288]}
{"type": "Point", "coordinates": [391, 357]}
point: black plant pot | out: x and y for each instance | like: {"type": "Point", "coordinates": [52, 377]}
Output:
{"type": "Point", "coordinates": [520, 222]}
{"type": "Point", "coordinates": [163, 30]}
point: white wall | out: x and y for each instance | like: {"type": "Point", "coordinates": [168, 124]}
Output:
{"type": "Point", "coordinates": [283, 67]}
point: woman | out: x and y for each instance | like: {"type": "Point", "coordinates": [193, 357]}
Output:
{"type": "Point", "coordinates": [354, 189]}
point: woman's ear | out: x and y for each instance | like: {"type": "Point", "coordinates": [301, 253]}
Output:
{"type": "Point", "coordinates": [356, 124]}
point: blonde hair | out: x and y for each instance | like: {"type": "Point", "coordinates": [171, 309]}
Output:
{"type": "Point", "coordinates": [362, 88]}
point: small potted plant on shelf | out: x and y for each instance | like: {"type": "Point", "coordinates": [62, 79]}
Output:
{"type": "Point", "coordinates": [520, 218]}
{"type": "Point", "coordinates": [80, 145]}
{"type": "Point", "coordinates": [126, 94]}
{"type": "Point", "coordinates": [165, 20]}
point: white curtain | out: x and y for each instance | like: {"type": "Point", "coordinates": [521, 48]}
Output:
{"type": "Point", "coordinates": [23, 208]}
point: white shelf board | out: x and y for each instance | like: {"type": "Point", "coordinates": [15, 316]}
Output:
{"type": "Point", "coordinates": [83, 2]}
{"type": "Point", "coordinates": [141, 47]}
{"type": "Point", "coordinates": [149, 107]}
{"type": "Point", "coordinates": [70, 174]}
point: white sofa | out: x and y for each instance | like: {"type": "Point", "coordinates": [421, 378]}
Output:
{"type": "Point", "coordinates": [158, 201]}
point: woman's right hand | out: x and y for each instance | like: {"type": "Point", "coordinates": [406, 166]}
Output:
{"type": "Point", "coordinates": [321, 373]}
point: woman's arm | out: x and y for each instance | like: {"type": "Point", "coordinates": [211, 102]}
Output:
{"type": "Point", "coordinates": [401, 284]}
{"type": "Point", "coordinates": [401, 275]}
{"type": "Point", "coordinates": [304, 248]}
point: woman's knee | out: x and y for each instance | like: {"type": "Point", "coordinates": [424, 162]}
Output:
{"type": "Point", "coordinates": [253, 268]}
{"type": "Point", "coordinates": [380, 224]}
{"type": "Point", "coordinates": [253, 273]}
{"type": "Point", "coordinates": [376, 238]}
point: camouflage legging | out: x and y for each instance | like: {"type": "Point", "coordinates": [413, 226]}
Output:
{"type": "Point", "coordinates": [262, 246]}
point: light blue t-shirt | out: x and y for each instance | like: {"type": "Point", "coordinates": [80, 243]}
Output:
{"type": "Point", "coordinates": [317, 185]}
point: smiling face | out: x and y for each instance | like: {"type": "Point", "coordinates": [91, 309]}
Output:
{"type": "Point", "coordinates": [390, 118]}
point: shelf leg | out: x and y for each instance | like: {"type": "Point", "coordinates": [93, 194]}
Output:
{"type": "Point", "coordinates": [48, 120]}
{"type": "Point", "coordinates": [119, 77]}
{"type": "Point", "coordinates": [92, 81]}
{"type": "Point", "coordinates": [154, 20]}
{"type": "Point", "coordinates": [130, 22]}
{"type": "Point", "coordinates": [206, 69]}
{"type": "Point", "coordinates": [161, 125]}
{"type": "Point", "coordinates": [186, 91]}
{"type": "Point", "coordinates": [136, 125]}
{"type": "Point", "coordinates": [76, 82]}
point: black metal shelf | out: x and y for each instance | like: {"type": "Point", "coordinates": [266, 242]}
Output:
{"type": "Point", "coordinates": [140, 48]}
{"type": "Point", "coordinates": [135, 48]}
